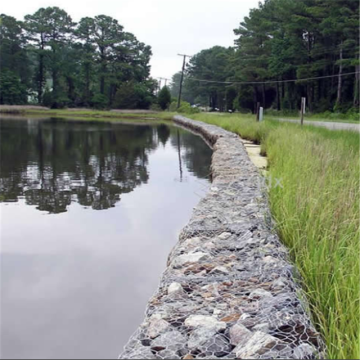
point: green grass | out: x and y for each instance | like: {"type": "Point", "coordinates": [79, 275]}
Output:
{"type": "Point", "coordinates": [314, 118]}
{"type": "Point", "coordinates": [100, 115]}
{"type": "Point", "coordinates": [317, 216]}
{"type": "Point", "coordinates": [352, 116]}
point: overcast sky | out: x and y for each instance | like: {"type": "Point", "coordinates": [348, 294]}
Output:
{"type": "Point", "coordinates": [169, 27]}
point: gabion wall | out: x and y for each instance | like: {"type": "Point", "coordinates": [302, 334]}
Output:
{"type": "Point", "coordinates": [228, 290]}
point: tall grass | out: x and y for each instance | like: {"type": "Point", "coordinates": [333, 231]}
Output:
{"type": "Point", "coordinates": [317, 216]}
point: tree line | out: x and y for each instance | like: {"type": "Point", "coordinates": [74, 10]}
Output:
{"type": "Point", "coordinates": [50, 60]}
{"type": "Point", "coordinates": [282, 40]}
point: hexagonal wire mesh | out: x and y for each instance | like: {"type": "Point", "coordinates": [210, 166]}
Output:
{"type": "Point", "coordinates": [229, 290]}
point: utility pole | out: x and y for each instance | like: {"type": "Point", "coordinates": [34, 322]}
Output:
{"type": "Point", "coordinates": [182, 77]}
{"type": "Point", "coordinates": [164, 79]}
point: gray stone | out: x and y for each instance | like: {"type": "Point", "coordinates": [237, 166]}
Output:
{"type": "Point", "coordinates": [219, 270]}
{"type": "Point", "coordinates": [175, 288]}
{"type": "Point", "coordinates": [169, 340]}
{"type": "Point", "coordinates": [218, 346]}
{"type": "Point", "coordinates": [189, 258]}
{"type": "Point", "coordinates": [143, 352]}
{"type": "Point", "coordinates": [156, 327]}
{"type": "Point", "coordinates": [199, 337]}
{"type": "Point", "coordinates": [279, 283]}
{"type": "Point", "coordinates": [264, 327]}
{"type": "Point", "coordinates": [204, 321]}
{"type": "Point", "coordinates": [217, 312]}
{"type": "Point", "coordinates": [260, 293]}
{"type": "Point", "coordinates": [304, 351]}
{"type": "Point", "coordinates": [239, 334]}
{"type": "Point", "coordinates": [169, 354]}
{"type": "Point", "coordinates": [258, 344]}
{"type": "Point", "coordinates": [224, 235]}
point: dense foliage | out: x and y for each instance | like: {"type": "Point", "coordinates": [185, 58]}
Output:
{"type": "Point", "coordinates": [283, 40]}
{"type": "Point", "coordinates": [49, 59]}
{"type": "Point", "coordinates": [164, 98]}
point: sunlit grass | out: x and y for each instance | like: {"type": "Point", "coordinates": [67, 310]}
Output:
{"type": "Point", "coordinates": [317, 216]}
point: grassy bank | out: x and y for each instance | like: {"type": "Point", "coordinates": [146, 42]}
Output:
{"type": "Point", "coordinates": [33, 111]}
{"type": "Point", "coordinates": [317, 215]}
{"type": "Point", "coordinates": [349, 117]}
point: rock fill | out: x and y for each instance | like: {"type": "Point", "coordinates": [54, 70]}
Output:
{"type": "Point", "coordinates": [229, 290]}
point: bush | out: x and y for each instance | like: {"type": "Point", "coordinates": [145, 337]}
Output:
{"type": "Point", "coordinates": [132, 95]}
{"type": "Point", "coordinates": [164, 98]}
{"type": "Point", "coordinates": [173, 106]}
{"type": "Point", "coordinates": [185, 108]}
{"type": "Point", "coordinates": [155, 107]}
{"type": "Point", "coordinates": [12, 91]}
{"type": "Point", "coordinates": [99, 101]}
{"type": "Point", "coordinates": [47, 98]}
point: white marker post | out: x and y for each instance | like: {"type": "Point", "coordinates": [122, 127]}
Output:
{"type": "Point", "coordinates": [261, 114]}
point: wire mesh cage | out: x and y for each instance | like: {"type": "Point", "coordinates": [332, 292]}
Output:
{"type": "Point", "coordinates": [229, 290]}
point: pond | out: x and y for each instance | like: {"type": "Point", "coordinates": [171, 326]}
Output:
{"type": "Point", "coordinates": [89, 214]}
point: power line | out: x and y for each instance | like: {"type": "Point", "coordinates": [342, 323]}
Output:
{"type": "Point", "coordinates": [313, 53]}
{"type": "Point", "coordinates": [166, 80]}
{"type": "Point", "coordinates": [271, 81]}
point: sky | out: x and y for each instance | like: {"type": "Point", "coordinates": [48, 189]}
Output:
{"type": "Point", "coordinates": [169, 27]}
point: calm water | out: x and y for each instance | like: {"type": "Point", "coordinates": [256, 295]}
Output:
{"type": "Point", "coordinates": [89, 214]}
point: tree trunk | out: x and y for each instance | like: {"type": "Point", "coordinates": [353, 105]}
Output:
{"type": "Point", "coordinates": [103, 69]}
{"type": "Point", "coordinates": [87, 84]}
{"type": "Point", "coordinates": [255, 99]}
{"type": "Point", "coordinates": [357, 84]}
{"type": "Point", "coordinates": [332, 82]}
{"type": "Point", "coordinates": [338, 97]}
{"type": "Point", "coordinates": [41, 70]}
{"type": "Point", "coordinates": [102, 84]}
{"type": "Point", "coordinates": [55, 86]}
{"type": "Point", "coordinates": [41, 77]}
{"type": "Point", "coordinates": [309, 96]}
{"type": "Point", "coordinates": [277, 96]}
{"type": "Point", "coordinates": [263, 96]}
{"type": "Point", "coordinates": [71, 88]}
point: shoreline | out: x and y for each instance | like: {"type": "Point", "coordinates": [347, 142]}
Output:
{"type": "Point", "coordinates": [229, 289]}
{"type": "Point", "coordinates": [85, 114]}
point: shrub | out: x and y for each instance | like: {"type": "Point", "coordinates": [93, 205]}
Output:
{"type": "Point", "coordinates": [155, 107]}
{"type": "Point", "coordinates": [99, 101]}
{"type": "Point", "coordinates": [164, 98]}
{"type": "Point", "coordinates": [185, 108]}
{"type": "Point", "coordinates": [12, 91]}
{"type": "Point", "coordinates": [132, 95]}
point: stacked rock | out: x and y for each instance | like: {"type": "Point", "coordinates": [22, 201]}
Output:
{"type": "Point", "coordinates": [229, 290]}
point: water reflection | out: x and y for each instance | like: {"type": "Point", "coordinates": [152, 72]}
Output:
{"type": "Point", "coordinates": [53, 163]}
{"type": "Point", "coordinates": [75, 282]}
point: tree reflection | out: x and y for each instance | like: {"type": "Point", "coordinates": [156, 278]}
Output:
{"type": "Point", "coordinates": [195, 154]}
{"type": "Point", "coordinates": [52, 163]}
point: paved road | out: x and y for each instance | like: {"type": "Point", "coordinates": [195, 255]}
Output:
{"type": "Point", "coordinates": [327, 124]}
